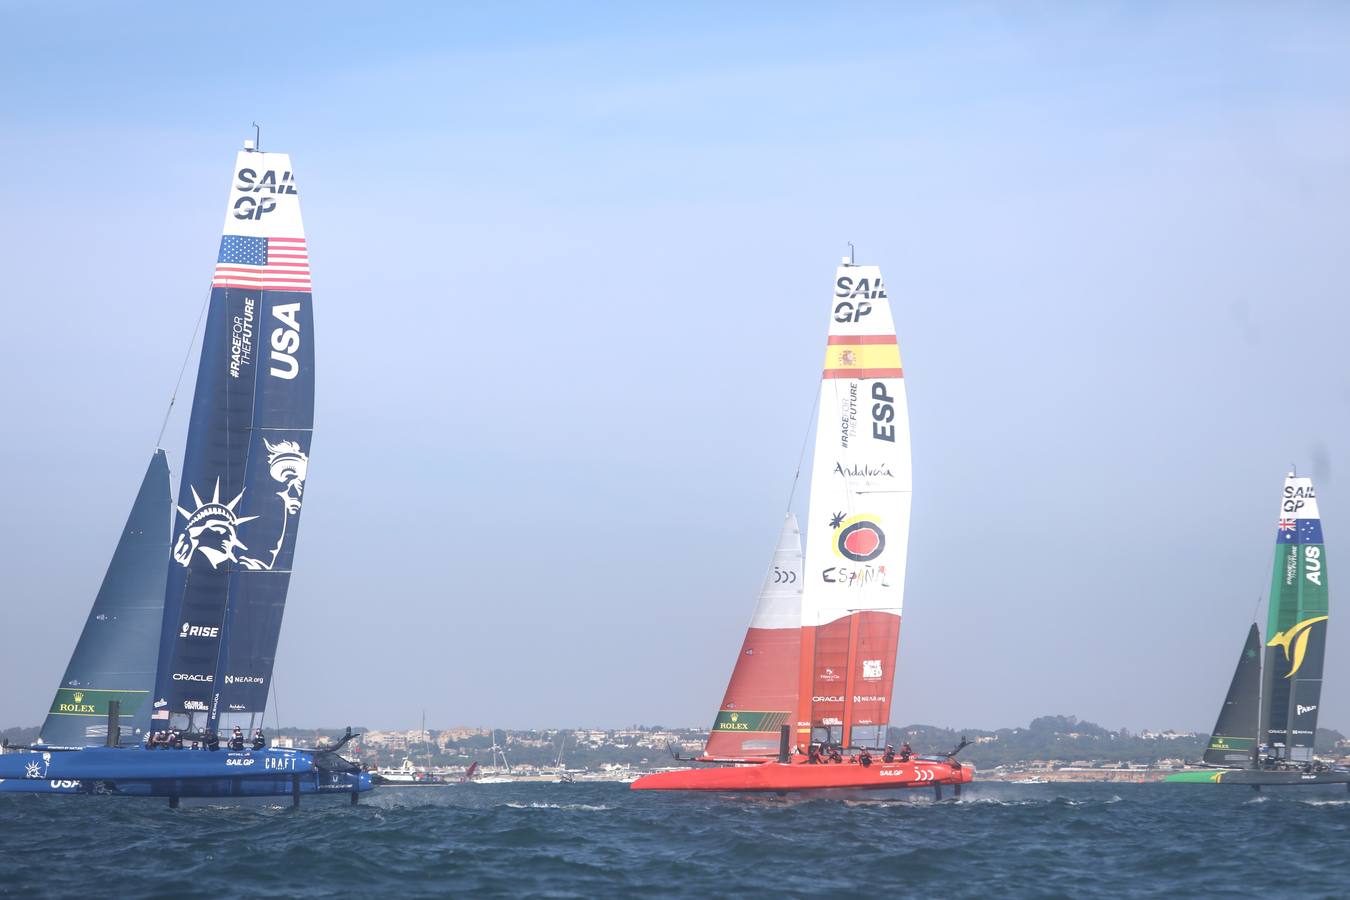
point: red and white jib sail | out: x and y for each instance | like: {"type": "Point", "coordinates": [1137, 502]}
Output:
{"type": "Point", "coordinates": [762, 695]}
{"type": "Point", "coordinates": [857, 529]}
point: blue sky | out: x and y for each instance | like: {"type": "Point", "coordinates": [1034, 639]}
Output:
{"type": "Point", "coordinates": [572, 268]}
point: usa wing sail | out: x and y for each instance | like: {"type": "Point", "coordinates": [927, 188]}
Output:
{"type": "Point", "coordinates": [857, 529]}
{"type": "Point", "coordinates": [762, 694]}
{"type": "Point", "coordinates": [115, 656]}
{"type": "Point", "coordinates": [247, 455]}
{"type": "Point", "coordinates": [1297, 626]}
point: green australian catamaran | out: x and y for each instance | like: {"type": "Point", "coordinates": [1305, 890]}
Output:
{"type": "Point", "coordinates": [1266, 727]}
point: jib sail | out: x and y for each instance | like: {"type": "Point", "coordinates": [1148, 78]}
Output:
{"type": "Point", "coordinates": [247, 454]}
{"type": "Point", "coordinates": [115, 656]}
{"type": "Point", "coordinates": [1233, 742]}
{"type": "Point", "coordinates": [857, 528]}
{"type": "Point", "coordinates": [762, 695]}
{"type": "Point", "coordinates": [1297, 626]}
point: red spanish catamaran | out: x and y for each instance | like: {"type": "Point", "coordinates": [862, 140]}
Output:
{"type": "Point", "coordinates": [814, 677]}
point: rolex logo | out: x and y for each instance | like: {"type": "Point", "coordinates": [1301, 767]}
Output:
{"type": "Point", "coordinates": [79, 696]}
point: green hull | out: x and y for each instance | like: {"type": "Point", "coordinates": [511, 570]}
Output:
{"type": "Point", "coordinates": [1210, 777]}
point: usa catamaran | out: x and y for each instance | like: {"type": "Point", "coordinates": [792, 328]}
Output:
{"type": "Point", "coordinates": [183, 633]}
{"type": "Point", "coordinates": [814, 676]}
{"type": "Point", "coordinates": [1267, 726]}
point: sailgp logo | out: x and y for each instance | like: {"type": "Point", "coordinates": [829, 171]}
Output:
{"type": "Point", "coordinates": [1294, 643]}
{"type": "Point", "coordinates": [212, 528]}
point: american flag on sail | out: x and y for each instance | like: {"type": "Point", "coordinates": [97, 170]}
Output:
{"type": "Point", "coordinates": [264, 264]}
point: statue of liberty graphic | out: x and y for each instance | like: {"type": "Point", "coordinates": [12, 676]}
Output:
{"type": "Point", "coordinates": [212, 529]}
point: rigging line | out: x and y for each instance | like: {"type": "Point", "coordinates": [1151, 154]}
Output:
{"type": "Point", "coordinates": [806, 435]}
{"type": "Point", "coordinates": [159, 442]}
{"type": "Point", "coordinates": [276, 705]}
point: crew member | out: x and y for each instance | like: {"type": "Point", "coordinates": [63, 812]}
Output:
{"type": "Point", "coordinates": [211, 740]}
{"type": "Point", "coordinates": [905, 752]}
{"type": "Point", "coordinates": [237, 739]}
{"type": "Point", "coordinates": [177, 739]}
{"type": "Point", "coordinates": [814, 757]}
{"type": "Point", "coordinates": [889, 755]}
{"type": "Point", "coordinates": [864, 757]}
{"type": "Point", "coordinates": [835, 755]}
{"type": "Point", "coordinates": [258, 740]}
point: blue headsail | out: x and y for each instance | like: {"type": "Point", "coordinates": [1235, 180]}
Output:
{"type": "Point", "coordinates": [115, 656]}
{"type": "Point", "coordinates": [247, 453]}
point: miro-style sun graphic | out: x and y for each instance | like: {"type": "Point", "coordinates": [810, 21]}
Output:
{"type": "Point", "coordinates": [858, 538]}
{"type": "Point", "coordinates": [212, 529]}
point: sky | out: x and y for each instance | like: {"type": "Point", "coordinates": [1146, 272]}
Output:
{"type": "Point", "coordinates": [573, 268]}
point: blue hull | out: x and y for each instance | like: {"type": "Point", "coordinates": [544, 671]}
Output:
{"type": "Point", "coordinates": [320, 782]}
{"type": "Point", "coordinates": [139, 764]}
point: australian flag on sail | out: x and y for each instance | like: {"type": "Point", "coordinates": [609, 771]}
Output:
{"type": "Point", "coordinates": [262, 263]}
{"type": "Point", "coordinates": [1299, 531]}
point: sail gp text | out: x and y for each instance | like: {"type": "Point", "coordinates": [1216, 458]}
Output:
{"type": "Point", "coordinates": [248, 183]}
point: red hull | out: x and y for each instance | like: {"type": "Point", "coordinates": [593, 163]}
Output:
{"type": "Point", "coordinates": [802, 776]}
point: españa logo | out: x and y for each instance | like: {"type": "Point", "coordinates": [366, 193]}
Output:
{"type": "Point", "coordinates": [1294, 642]}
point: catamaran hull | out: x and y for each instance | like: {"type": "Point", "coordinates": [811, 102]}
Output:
{"type": "Point", "coordinates": [1259, 777]}
{"type": "Point", "coordinates": [338, 784]}
{"type": "Point", "coordinates": [795, 776]}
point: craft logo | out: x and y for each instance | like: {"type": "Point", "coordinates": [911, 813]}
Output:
{"type": "Point", "coordinates": [249, 183]}
{"type": "Point", "coordinates": [206, 631]}
{"type": "Point", "coordinates": [1294, 642]}
{"type": "Point", "coordinates": [212, 528]}
{"type": "Point", "coordinates": [858, 538]}
{"type": "Point", "coordinates": [871, 668]}
{"type": "Point", "coordinates": [1304, 710]}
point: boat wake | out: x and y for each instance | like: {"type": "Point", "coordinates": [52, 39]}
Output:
{"type": "Point", "coordinates": [580, 807]}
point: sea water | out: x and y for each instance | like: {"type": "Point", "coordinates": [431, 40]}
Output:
{"type": "Point", "coordinates": [588, 840]}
